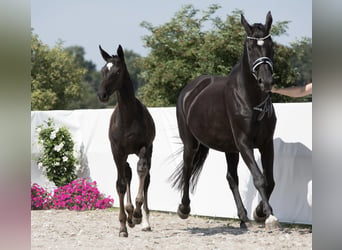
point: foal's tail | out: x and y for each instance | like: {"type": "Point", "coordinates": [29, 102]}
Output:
{"type": "Point", "coordinates": [177, 177]}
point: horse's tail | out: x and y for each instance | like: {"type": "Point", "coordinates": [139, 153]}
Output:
{"type": "Point", "coordinates": [177, 177]}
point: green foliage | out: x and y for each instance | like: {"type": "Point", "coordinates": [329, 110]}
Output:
{"type": "Point", "coordinates": [56, 77]}
{"type": "Point", "coordinates": [194, 43]}
{"type": "Point", "coordinates": [90, 81]}
{"type": "Point", "coordinates": [296, 65]}
{"type": "Point", "coordinates": [57, 160]}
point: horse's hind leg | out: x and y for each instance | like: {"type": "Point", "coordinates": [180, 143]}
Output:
{"type": "Point", "coordinates": [189, 152]}
{"type": "Point", "coordinates": [146, 211]}
{"type": "Point", "coordinates": [233, 181]}
{"type": "Point", "coordinates": [143, 169]}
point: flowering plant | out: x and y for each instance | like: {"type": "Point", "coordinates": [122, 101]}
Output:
{"type": "Point", "coordinates": [58, 160]}
{"type": "Point", "coordinates": [40, 198]}
{"type": "Point", "coordinates": [80, 195]}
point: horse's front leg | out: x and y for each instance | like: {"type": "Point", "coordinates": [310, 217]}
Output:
{"type": "Point", "coordinates": [267, 158]}
{"type": "Point", "coordinates": [259, 181]}
{"type": "Point", "coordinates": [129, 206]}
{"type": "Point", "coordinates": [143, 169]}
{"type": "Point", "coordinates": [121, 186]}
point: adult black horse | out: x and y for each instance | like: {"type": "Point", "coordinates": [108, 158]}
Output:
{"type": "Point", "coordinates": [131, 131]}
{"type": "Point", "coordinates": [233, 114]}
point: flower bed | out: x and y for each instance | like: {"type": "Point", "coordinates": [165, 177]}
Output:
{"type": "Point", "coordinates": [80, 195]}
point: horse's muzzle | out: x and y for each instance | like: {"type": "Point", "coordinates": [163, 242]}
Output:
{"type": "Point", "coordinates": [103, 97]}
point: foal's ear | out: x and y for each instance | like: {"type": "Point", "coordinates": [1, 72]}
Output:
{"type": "Point", "coordinates": [120, 53]}
{"type": "Point", "coordinates": [104, 54]}
{"type": "Point", "coordinates": [268, 23]}
{"type": "Point", "coordinates": [246, 25]}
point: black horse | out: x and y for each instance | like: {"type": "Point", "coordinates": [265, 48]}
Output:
{"type": "Point", "coordinates": [131, 131]}
{"type": "Point", "coordinates": [232, 114]}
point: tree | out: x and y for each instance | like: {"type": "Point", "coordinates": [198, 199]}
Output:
{"type": "Point", "coordinates": [297, 57]}
{"type": "Point", "coordinates": [90, 82]}
{"type": "Point", "coordinates": [185, 48]}
{"type": "Point", "coordinates": [55, 77]}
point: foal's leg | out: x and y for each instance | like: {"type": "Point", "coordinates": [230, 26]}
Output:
{"type": "Point", "coordinates": [121, 186]}
{"type": "Point", "coordinates": [267, 158]}
{"type": "Point", "coordinates": [129, 207]}
{"type": "Point", "coordinates": [233, 181]}
{"type": "Point", "coordinates": [146, 210]}
{"type": "Point", "coordinates": [143, 171]}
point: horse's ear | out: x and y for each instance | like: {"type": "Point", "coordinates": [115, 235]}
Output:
{"type": "Point", "coordinates": [268, 23]}
{"type": "Point", "coordinates": [104, 54]}
{"type": "Point", "coordinates": [120, 53]}
{"type": "Point", "coordinates": [246, 25]}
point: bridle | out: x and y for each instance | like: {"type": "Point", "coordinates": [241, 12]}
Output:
{"type": "Point", "coordinates": [260, 60]}
{"type": "Point", "coordinates": [265, 107]}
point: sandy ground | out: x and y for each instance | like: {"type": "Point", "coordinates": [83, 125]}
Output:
{"type": "Point", "coordinates": [64, 229]}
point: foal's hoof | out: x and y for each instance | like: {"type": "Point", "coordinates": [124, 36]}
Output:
{"type": "Point", "coordinates": [123, 233]}
{"type": "Point", "coordinates": [130, 223]}
{"type": "Point", "coordinates": [147, 229]}
{"type": "Point", "coordinates": [137, 220]}
{"type": "Point", "coordinates": [183, 212]}
{"type": "Point", "coordinates": [272, 223]}
{"type": "Point", "coordinates": [259, 219]}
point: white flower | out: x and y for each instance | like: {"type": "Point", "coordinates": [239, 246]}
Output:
{"type": "Point", "coordinates": [65, 158]}
{"type": "Point", "coordinates": [39, 129]}
{"type": "Point", "coordinates": [57, 163]}
{"type": "Point", "coordinates": [40, 165]}
{"type": "Point", "coordinates": [58, 148]}
{"type": "Point", "coordinates": [53, 135]}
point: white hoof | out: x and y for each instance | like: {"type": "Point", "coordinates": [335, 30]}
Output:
{"type": "Point", "coordinates": [146, 221]}
{"type": "Point", "coordinates": [272, 223]}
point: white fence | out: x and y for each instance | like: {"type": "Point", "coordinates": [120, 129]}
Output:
{"type": "Point", "coordinates": [292, 164]}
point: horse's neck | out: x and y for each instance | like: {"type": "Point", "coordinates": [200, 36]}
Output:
{"type": "Point", "coordinates": [126, 100]}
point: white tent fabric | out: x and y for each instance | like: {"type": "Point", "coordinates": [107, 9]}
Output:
{"type": "Point", "coordinates": [292, 166]}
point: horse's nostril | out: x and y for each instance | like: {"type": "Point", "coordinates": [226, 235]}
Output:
{"type": "Point", "coordinates": [260, 81]}
{"type": "Point", "coordinates": [102, 96]}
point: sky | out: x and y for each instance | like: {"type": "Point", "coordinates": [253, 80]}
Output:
{"type": "Point", "coordinates": [89, 23]}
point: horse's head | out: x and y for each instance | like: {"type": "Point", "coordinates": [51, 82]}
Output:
{"type": "Point", "coordinates": [259, 50]}
{"type": "Point", "coordinates": [112, 73]}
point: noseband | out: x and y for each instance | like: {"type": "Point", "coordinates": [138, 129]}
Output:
{"type": "Point", "coordinates": [260, 60]}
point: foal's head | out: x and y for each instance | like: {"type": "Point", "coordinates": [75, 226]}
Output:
{"type": "Point", "coordinates": [112, 73]}
{"type": "Point", "coordinates": [259, 49]}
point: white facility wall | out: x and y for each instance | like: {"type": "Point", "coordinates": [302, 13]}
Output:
{"type": "Point", "coordinates": [292, 164]}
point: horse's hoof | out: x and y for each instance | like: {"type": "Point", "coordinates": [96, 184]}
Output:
{"type": "Point", "coordinates": [147, 229]}
{"type": "Point", "coordinates": [183, 215]}
{"type": "Point", "coordinates": [130, 223]}
{"type": "Point", "coordinates": [245, 224]}
{"type": "Point", "coordinates": [137, 220]}
{"type": "Point", "coordinates": [123, 233]}
{"type": "Point", "coordinates": [259, 219]}
{"type": "Point", "coordinates": [272, 223]}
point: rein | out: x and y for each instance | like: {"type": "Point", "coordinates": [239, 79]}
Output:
{"type": "Point", "coordinates": [265, 107]}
